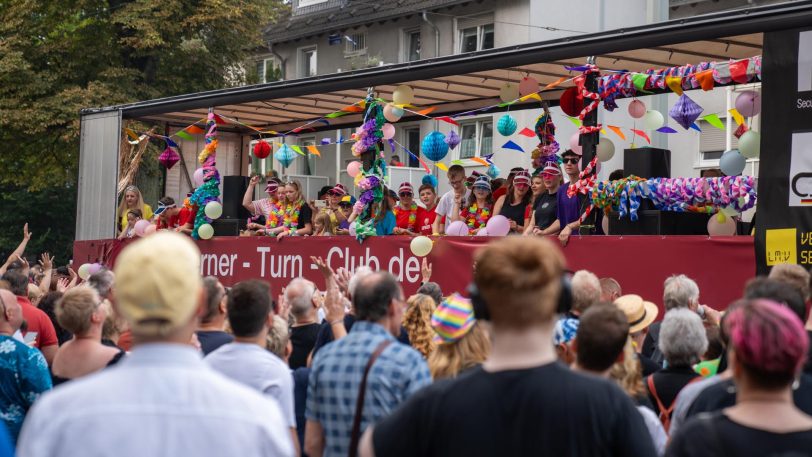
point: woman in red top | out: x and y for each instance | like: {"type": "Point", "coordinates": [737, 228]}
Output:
{"type": "Point", "coordinates": [406, 212]}
{"type": "Point", "coordinates": [478, 209]}
{"type": "Point", "coordinates": [426, 216]}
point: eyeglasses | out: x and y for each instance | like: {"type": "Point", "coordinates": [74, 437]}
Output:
{"type": "Point", "coordinates": [456, 181]}
{"type": "Point", "coordinates": [571, 160]}
{"type": "Point", "coordinates": [406, 194]}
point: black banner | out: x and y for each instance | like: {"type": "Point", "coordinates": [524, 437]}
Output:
{"type": "Point", "coordinates": [784, 215]}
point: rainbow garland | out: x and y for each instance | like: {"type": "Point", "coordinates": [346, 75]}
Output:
{"type": "Point", "coordinates": [699, 195]}
{"type": "Point", "coordinates": [210, 190]}
{"type": "Point", "coordinates": [369, 138]}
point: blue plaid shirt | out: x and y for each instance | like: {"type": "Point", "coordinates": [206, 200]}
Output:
{"type": "Point", "coordinates": [336, 375]}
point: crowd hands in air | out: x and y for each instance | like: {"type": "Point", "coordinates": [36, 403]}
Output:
{"type": "Point", "coordinates": [150, 358]}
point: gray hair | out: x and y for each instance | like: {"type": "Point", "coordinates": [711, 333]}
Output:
{"type": "Point", "coordinates": [299, 295]}
{"type": "Point", "coordinates": [360, 273]}
{"type": "Point", "coordinates": [679, 291]}
{"type": "Point", "coordinates": [586, 290]}
{"type": "Point", "coordinates": [682, 337]}
{"type": "Point", "coordinates": [214, 295]}
{"type": "Point", "coordinates": [102, 281]}
{"type": "Point", "coordinates": [278, 337]}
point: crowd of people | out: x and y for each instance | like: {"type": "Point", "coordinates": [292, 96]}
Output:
{"type": "Point", "coordinates": [150, 358]}
{"type": "Point", "coordinates": [534, 203]}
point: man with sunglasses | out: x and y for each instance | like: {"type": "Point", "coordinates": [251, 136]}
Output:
{"type": "Point", "coordinates": [569, 208]}
{"type": "Point", "coordinates": [406, 211]}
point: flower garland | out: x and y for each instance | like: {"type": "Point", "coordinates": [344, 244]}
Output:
{"type": "Point", "coordinates": [291, 215]}
{"type": "Point", "coordinates": [368, 140]}
{"type": "Point", "coordinates": [210, 190]}
{"type": "Point", "coordinates": [476, 218]}
{"type": "Point", "coordinates": [412, 213]}
{"type": "Point", "coordinates": [272, 221]}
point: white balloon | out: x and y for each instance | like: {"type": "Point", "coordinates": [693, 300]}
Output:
{"type": "Point", "coordinates": [605, 149]}
{"type": "Point", "coordinates": [653, 120]}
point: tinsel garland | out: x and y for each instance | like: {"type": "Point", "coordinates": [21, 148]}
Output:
{"type": "Point", "coordinates": [210, 190]}
{"type": "Point", "coordinates": [369, 139]}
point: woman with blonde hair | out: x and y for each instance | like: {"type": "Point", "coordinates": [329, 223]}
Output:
{"type": "Point", "coordinates": [417, 322]}
{"type": "Point", "coordinates": [82, 312]}
{"type": "Point", "coordinates": [132, 200]}
{"type": "Point", "coordinates": [463, 343]}
{"type": "Point", "coordinates": [323, 224]}
{"type": "Point", "coordinates": [296, 213]}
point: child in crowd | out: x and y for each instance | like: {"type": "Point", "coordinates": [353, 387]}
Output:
{"type": "Point", "coordinates": [133, 216]}
{"type": "Point", "coordinates": [323, 224]}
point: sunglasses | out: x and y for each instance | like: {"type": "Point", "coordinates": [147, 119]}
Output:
{"type": "Point", "coordinates": [521, 185]}
{"type": "Point", "coordinates": [405, 194]}
{"type": "Point", "coordinates": [548, 175]}
{"type": "Point", "coordinates": [572, 161]}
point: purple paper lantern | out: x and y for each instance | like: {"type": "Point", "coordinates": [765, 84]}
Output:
{"type": "Point", "coordinates": [685, 111]}
{"type": "Point", "coordinates": [168, 158]}
{"type": "Point", "coordinates": [452, 140]}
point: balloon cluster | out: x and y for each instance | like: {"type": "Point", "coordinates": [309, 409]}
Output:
{"type": "Point", "coordinates": [546, 150]}
{"type": "Point", "coordinates": [209, 191]}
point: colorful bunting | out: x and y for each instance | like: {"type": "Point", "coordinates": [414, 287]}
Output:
{"type": "Point", "coordinates": [714, 120]}
{"type": "Point", "coordinates": [297, 150]}
{"type": "Point", "coordinates": [336, 114]}
{"type": "Point", "coordinates": [427, 111]}
{"type": "Point", "coordinates": [480, 161]}
{"type": "Point", "coordinates": [170, 143]}
{"type": "Point", "coordinates": [696, 127]}
{"type": "Point", "coordinates": [738, 70]}
{"type": "Point", "coordinates": [575, 121]}
{"type": "Point", "coordinates": [665, 129]}
{"type": "Point", "coordinates": [736, 116]}
{"type": "Point", "coordinates": [441, 166]}
{"type": "Point", "coordinates": [555, 83]}
{"type": "Point", "coordinates": [705, 79]}
{"type": "Point", "coordinates": [639, 80]}
{"type": "Point", "coordinates": [314, 150]}
{"type": "Point", "coordinates": [527, 132]}
{"type": "Point", "coordinates": [219, 120]}
{"type": "Point", "coordinates": [533, 96]}
{"type": "Point", "coordinates": [617, 131]}
{"type": "Point", "coordinates": [194, 130]}
{"type": "Point", "coordinates": [512, 145]}
{"type": "Point", "coordinates": [184, 135]}
{"type": "Point", "coordinates": [447, 120]}
{"type": "Point", "coordinates": [674, 83]}
{"type": "Point", "coordinates": [131, 133]}
{"type": "Point", "coordinates": [641, 134]}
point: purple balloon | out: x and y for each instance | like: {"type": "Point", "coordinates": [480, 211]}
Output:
{"type": "Point", "coordinates": [352, 229]}
{"type": "Point", "coordinates": [140, 227]}
{"type": "Point", "coordinates": [198, 177]}
{"type": "Point", "coordinates": [748, 103]}
{"type": "Point", "coordinates": [482, 232]}
{"type": "Point", "coordinates": [457, 228]}
{"type": "Point", "coordinates": [498, 226]}
{"type": "Point", "coordinates": [94, 268]}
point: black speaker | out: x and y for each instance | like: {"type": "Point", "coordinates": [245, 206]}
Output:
{"type": "Point", "coordinates": [647, 162]}
{"type": "Point", "coordinates": [654, 222]}
{"type": "Point", "coordinates": [233, 190]}
{"type": "Point", "coordinates": [228, 227]}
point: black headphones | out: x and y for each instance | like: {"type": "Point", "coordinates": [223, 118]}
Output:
{"type": "Point", "coordinates": [481, 307]}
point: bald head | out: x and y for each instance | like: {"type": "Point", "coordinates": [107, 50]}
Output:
{"type": "Point", "coordinates": [299, 294]}
{"type": "Point", "coordinates": [11, 316]}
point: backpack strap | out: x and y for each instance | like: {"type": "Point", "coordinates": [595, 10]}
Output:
{"type": "Point", "coordinates": [355, 437]}
{"type": "Point", "coordinates": [665, 413]}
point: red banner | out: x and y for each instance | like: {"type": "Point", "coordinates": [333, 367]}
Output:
{"type": "Point", "coordinates": [720, 265]}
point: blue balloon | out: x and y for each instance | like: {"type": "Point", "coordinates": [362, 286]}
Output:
{"type": "Point", "coordinates": [434, 146]}
{"type": "Point", "coordinates": [732, 163]}
{"type": "Point", "coordinates": [430, 180]}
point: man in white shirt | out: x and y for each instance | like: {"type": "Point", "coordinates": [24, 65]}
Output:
{"type": "Point", "coordinates": [456, 179]}
{"type": "Point", "coordinates": [247, 360]}
{"type": "Point", "coordinates": [162, 400]}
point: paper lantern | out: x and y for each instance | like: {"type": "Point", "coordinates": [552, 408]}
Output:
{"type": "Point", "coordinates": [528, 85]}
{"type": "Point", "coordinates": [285, 155]}
{"type": "Point", "coordinates": [205, 231]}
{"type": "Point", "coordinates": [452, 140]}
{"type": "Point", "coordinates": [748, 103]}
{"type": "Point", "coordinates": [403, 95]}
{"type": "Point", "coordinates": [421, 246]}
{"type": "Point", "coordinates": [213, 209]}
{"type": "Point", "coordinates": [354, 168]}
{"type": "Point", "coordinates": [262, 150]}
{"type": "Point", "coordinates": [434, 146]}
{"type": "Point", "coordinates": [653, 120]}
{"type": "Point", "coordinates": [685, 111]}
{"type": "Point", "coordinates": [571, 102]}
{"type": "Point", "coordinates": [84, 271]}
{"type": "Point", "coordinates": [392, 113]}
{"type": "Point", "coordinates": [198, 177]}
{"type": "Point", "coordinates": [732, 163]}
{"type": "Point", "coordinates": [498, 225]}
{"type": "Point", "coordinates": [388, 131]}
{"type": "Point", "coordinates": [506, 125]}
{"type": "Point", "coordinates": [605, 149]}
{"type": "Point", "coordinates": [168, 158]}
{"type": "Point", "coordinates": [637, 109]}
{"type": "Point", "coordinates": [493, 171]}
{"type": "Point", "coordinates": [721, 225]}
{"type": "Point", "coordinates": [576, 148]}
{"type": "Point", "coordinates": [750, 144]}
{"type": "Point", "coordinates": [509, 92]}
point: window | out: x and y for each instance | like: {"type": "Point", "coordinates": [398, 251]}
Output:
{"type": "Point", "coordinates": [477, 138]}
{"type": "Point", "coordinates": [304, 3]}
{"type": "Point", "coordinates": [712, 143]}
{"type": "Point", "coordinates": [411, 45]}
{"type": "Point", "coordinates": [308, 166]}
{"type": "Point", "coordinates": [411, 138]}
{"type": "Point", "coordinates": [356, 44]}
{"type": "Point", "coordinates": [307, 62]}
{"type": "Point", "coordinates": [476, 38]}
{"type": "Point", "coordinates": [268, 70]}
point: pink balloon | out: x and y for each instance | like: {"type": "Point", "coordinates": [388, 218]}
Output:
{"type": "Point", "coordinates": [141, 226]}
{"type": "Point", "coordinates": [198, 177]}
{"type": "Point", "coordinates": [353, 168]}
{"type": "Point", "coordinates": [94, 268]}
{"type": "Point", "coordinates": [719, 228]}
{"type": "Point", "coordinates": [528, 85]}
{"type": "Point", "coordinates": [498, 225]}
{"type": "Point", "coordinates": [748, 103]}
{"type": "Point", "coordinates": [151, 229]}
{"type": "Point", "coordinates": [392, 113]}
{"type": "Point", "coordinates": [605, 225]}
{"type": "Point", "coordinates": [388, 131]}
{"type": "Point", "coordinates": [576, 148]}
{"type": "Point", "coordinates": [482, 232]}
{"type": "Point", "coordinates": [637, 109]}
{"type": "Point", "coordinates": [352, 229]}
{"type": "Point", "coordinates": [457, 228]}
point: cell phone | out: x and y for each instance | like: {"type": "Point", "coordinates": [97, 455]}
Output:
{"type": "Point", "coordinates": [321, 203]}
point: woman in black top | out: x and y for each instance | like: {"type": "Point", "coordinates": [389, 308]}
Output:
{"type": "Point", "coordinates": [544, 209]}
{"type": "Point", "coordinates": [514, 203]}
{"type": "Point", "coordinates": [768, 347]}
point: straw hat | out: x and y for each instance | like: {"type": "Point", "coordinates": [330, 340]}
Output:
{"type": "Point", "coordinates": [639, 313]}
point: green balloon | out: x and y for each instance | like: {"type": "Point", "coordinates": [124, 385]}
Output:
{"type": "Point", "coordinates": [205, 231]}
{"type": "Point", "coordinates": [750, 144]}
{"type": "Point", "coordinates": [214, 210]}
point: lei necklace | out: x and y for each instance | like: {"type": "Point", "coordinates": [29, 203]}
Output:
{"type": "Point", "coordinates": [291, 218]}
{"type": "Point", "coordinates": [477, 217]}
{"type": "Point", "coordinates": [412, 214]}
{"type": "Point", "coordinates": [272, 221]}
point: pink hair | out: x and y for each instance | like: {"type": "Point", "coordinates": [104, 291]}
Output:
{"type": "Point", "coordinates": [767, 337]}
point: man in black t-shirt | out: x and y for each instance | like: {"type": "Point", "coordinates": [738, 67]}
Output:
{"type": "Point", "coordinates": [303, 301]}
{"type": "Point", "coordinates": [521, 401]}
{"type": "Point", "coordinates": [210, 330]}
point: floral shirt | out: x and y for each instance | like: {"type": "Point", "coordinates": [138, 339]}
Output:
{"type": "Point", "coordinates": [23, 377]}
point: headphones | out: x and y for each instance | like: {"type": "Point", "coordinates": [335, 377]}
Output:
{"type": "Point", "coordinates": [481, 307]}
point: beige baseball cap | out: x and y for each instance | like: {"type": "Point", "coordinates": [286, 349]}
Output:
{"type": "Point", "coordinates": [640, 313]}
{"type": "Point", "coordinates": [158, 283]}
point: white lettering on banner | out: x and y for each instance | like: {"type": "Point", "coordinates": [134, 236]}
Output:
{"type": "Point", "coordinates": [217, 265]}
{"type": "Point", "coordinates": [800, 170]}
{"type": "Point", "coordinates": [351, 262]}
{"type": "Point", "coordinates": [280, 266]}
{"type": "Point", "coordinates": [411, 270]}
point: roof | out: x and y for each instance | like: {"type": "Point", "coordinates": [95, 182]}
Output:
{"type": "Point", "coordinates": [336, 15]}
{"type": "Point", "coordinates": [461, 82]}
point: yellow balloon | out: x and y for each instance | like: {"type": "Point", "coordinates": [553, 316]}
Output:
{"type": "Point", "coordinates": [403, 95]}
{"type": "Point", "coordinates": [421, 246]}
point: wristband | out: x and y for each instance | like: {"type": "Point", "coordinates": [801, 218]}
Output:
{"type": "Point", "coordinates": [337, 321]}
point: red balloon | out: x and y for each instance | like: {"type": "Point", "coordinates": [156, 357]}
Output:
{"type": "Point", "coordinates": [262, 150]}
{"type": "Point", "coordinates": [571, 102]}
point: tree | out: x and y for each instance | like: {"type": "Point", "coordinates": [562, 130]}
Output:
{"type": "Point", "coordinates": [60, 56]}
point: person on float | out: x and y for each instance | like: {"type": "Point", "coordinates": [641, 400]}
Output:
{"type": "Point", "coordinates": [132, 200]}
{"type": "Point", "coordinates": [536, 188]}
{"type": "Point", "coordinates": [133, 216]}
{"type": "Point", "coordinates": [543, 214]}
{"type": "Point", "coordinates": [296, 214]}
{"type": "Point", "coordinates": [381, 212]}
{"type": "Point", "coordinates": [186, 216]}
{"type": "Point", "coordinates": [458, 191]}
{"type": "Point", "coordinates": [334, 197]}
{"type": "Point", "coordinates": [477, 209]}
{"type": "Point", "coordinates": [513, 205]}
{"type": "Point", "coordinates": [406, 211]}
{"type": "Point", "coordinates": [427, 214]}
{"type": "Point", "coordinates": [167, 215]}
{"type": "Point", "coordinates": [345, 207]}
{"type": "Point", "coordinates": [270, 207]}
{"type": "Point", "coordinates": [503, 189]}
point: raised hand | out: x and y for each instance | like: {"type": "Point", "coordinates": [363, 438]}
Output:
{"type": "Point", "coordinates": [62, 284]}
{"type": "Point", "coordinates": [26, 233]}
{"type": "Point", "coordinates": [425, 269]}
{"type": "Point", "coordinates": [47, 261]}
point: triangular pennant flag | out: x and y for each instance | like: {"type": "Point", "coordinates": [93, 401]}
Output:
{"type": "Point", "coordinates": [705, 79]}
{"type": "Point", "coordinates": [696, 127]}
{"type": "Point", "coordinates": [352, 109]}
{"type": "Point", "coordinates": [323, 121]}
{"type": "Point", "coordinates": [502, 105]}
{"type": "Point", "coordinates": [219, 120]}
{"type": "Point", "coordinates": [738, 70]}
{"type": "Point", "coordinates": [340, 139]}
{"type": "Point", "coordinates": [740, 131]}
{"type": "Point", "coordinates": [480, 161]}
{"type": "Point", "coordinates": [512, 145]}
{"type": "Point", "coordinates": [639, 80]}
{"type": "Point", "coordinates": [194, 130]}
{"type": "Point", "coordinates": [674, 83]}
{"type": "Point", "coordinates": [527, 132]}
{"type": "Point", "coordinates": [131, 133]}
{"type": "Point", "coordinates": [456, 162]}
{"type": "Point", "coordinates": [184, 135]}
{"type": "Point", "coordinates": [617, 131]}
{"type": "Point", "coordinates": [714, 120]}
{"type": "Point", "coordinates": [297, 149]}
{"type": "Point", "coordinates": [427, 111]}
{"type": "Point", "coordinates": [642, 134]}
{"type": "Point", "coordinates": [665, 129]}
{"type": "Point", "coordinates": [314, 150]}
{"type": "Point", "coordinates": [736, 116]}
{"type": "Point", "coordinates": [336, 114]}
{"type": "Point", "coordinates": [534, 96]}
{"type": "Point", "coordinates": [441, 166]}
{"type": "Point", "coordinates": [603, 132]}
{"type": "Point", "coordinates": [170, 143]}
{"type": "Point", "coordinates": [555, 83]}
{"type": "Point", "coordinates": [448, 120]}
{"type": "Point", "coordinates": [575, 121]}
